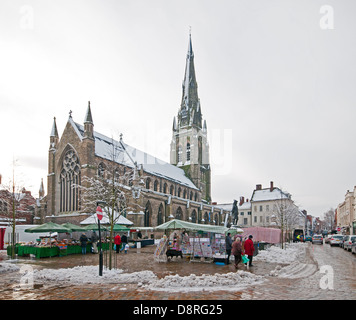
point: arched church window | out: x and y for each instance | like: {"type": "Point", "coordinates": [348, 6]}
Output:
{"type": "Point", "coordinates": [148, 182]}
{"type": "Point", "coordinates": [179, 214]}
{"type": "Point", "coordinates": [194, 216]}
{"type": "Point", "coordinates": [101, 170]}
{"type": "Point", "coordinates": [70, 181]}
{"type": "Point", "coordinates": [117, 175]}
{"type": "Point", "coordinates": [165, 188]}
{"type": "Point", "coordinates": [160, 215]}
{"type": "Point", "coordinates": [171, 190]}
{"type": "Point", "coordinates": [216, 219]}
{"type": "Point", "coordinates": [155, 186]}
{"type": "Point", "coordinates": [206, 218]}
{"type": "Point", "coordinates": [188, 151]}
{"type": "Point", "coordinates": [200, 150]}
{"type": "Point", "coordinates": [179, 153]}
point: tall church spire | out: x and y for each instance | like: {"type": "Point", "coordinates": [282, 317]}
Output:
{"type": "Point", "coordinates": [189, 145]}
{"type": "Point", "coordinates": [190, 112]}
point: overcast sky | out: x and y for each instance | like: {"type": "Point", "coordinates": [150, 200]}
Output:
{"type": "Point", "coordinates": [276, 81]}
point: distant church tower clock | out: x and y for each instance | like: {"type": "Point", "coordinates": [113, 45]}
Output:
{"type": "Point", "coordinates": [189, 145]}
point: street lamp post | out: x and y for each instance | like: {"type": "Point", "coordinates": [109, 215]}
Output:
{"type": "Point", "coordinates": [99, 214]}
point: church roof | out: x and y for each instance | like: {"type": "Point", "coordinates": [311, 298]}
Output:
{"type": "Point", "coordinates": [128, 156]}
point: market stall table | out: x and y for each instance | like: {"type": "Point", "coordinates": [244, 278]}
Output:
{"type": "Point", "coordinates": [143, 242]}
{"type": "Point", "coordinates": [39, 252]}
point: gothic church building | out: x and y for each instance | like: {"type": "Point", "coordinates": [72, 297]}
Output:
{"type": "Point", "coordinates": [180, 189]}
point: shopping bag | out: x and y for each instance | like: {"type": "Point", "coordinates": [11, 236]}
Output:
{"type": "Point", "coordinates": [245, 259]}
{"type": "Point", "coordinates": [114, 246]}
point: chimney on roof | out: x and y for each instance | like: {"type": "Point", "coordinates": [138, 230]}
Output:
{"type": "Point", "coordinates": [258, 186]}
{"type": "Point", "coordinates": [242, 201]}
{"type": "Point", "coordinates": [271, 187]}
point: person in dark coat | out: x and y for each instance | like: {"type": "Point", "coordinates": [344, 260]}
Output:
{"type": "Point", "coordinates": [83, 243]}
{"type": "Point", "coordinates": [249, 249]}
{"type": "Point", "coordinates": [237, 250]}
{"type": "Point", "coordinates": [228, 242]}
{"type": "Point", "coordinates": [123, 241]}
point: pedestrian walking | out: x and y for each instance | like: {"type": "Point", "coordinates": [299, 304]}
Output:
{"type": "Point", "coordinates": [237, 250]}
{"type": "Point", "coordinates": [83, 243]}
{"type": "Point", "coordinates": [228, 242]}
{"type": "Point", "coordinates": [94, 241]}
{"type": "Point", "coordinates": [126, 247]}
{"type": "Point", "coordinates": [123, 241]}
{"type": "Point", "coordinates": [117, 242]}
{"type": "Point", "coordinates": [249, 249]}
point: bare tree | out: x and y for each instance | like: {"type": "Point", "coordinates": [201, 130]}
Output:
{"type": "Point", "coordinates": [329, 218]}
{"type": "Point", "coordinates": [10, 196]}
{"type": "Point", "coordinates": [113, 185]}
{"type": "Point", "coordinates": [286, 215]}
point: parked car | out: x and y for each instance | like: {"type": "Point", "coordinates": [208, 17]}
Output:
{"type": "Point", "coordinates": [353, 247]}
{"type": "Point", "coordinates": [317, 238]}
{"type": "Point", "coordinates": [336, 239]}
{"type": "Point", "coordinates": [343, 240]}
{"type": "Point", "coordinates": [308, 238]}
{"type": "Point", "coordinates": [327, 239]}
{"type": "Point", "coordinates": [348, 241]}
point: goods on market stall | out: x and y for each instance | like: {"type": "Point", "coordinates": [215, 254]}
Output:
{"type": "Point", "coordinates": [218, 245]}
{"type": "Point", "coordinates": [201, 249]}
{"type": "Point", "coordinates": [161, 249]}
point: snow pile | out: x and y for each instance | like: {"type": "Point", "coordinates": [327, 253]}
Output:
{"type": "Point", "coordinates": [295, 270]}
{"type": "Point", "coordinates": [148, 280]}
{"type": "Point", "coordinates": [276, 254]}
{"type": "Point", "coordinates": [231, 281]}
{"type": "Point", "coordinates": [8, 267]}
{"type": "Point", "coordinates": [90, 274]}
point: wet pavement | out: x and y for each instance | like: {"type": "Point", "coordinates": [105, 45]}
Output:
{"type": "Point", "coordinates": [302, 281]}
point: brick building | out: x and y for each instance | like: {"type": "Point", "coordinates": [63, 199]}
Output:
{"type": "Point", "coordinates": [25, 206]}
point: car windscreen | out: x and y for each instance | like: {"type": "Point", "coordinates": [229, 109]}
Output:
{"type": "Point", "coordinates": [338, 237]}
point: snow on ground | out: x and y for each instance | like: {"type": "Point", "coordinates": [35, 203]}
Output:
{"type": "Point", "coordinates": [276, 254]}
{"type": "Point", "coordinates": [8, 267]}
{"type": "Point", "coordinates": [148, 280]}
{"type": "Point", "coordinates": [90, 274]}
{"type": "Point", "coordinates": [231, 281]}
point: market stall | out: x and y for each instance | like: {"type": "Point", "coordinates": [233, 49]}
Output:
{"type": "Point", "coordinates": [51, 246]}
{"type": "Point", "coordinates": [204, 243]}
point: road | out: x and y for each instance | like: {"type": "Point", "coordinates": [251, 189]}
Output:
{"type": "Point", "coordinates": [325, 273]}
